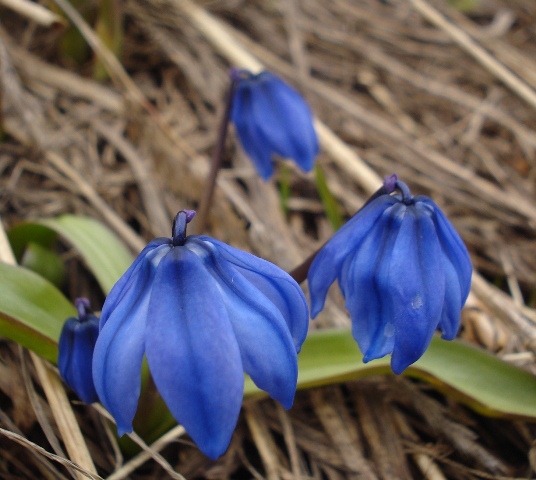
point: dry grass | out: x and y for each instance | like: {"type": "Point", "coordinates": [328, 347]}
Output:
{"type": "Point", "coordinates": [445, 100]}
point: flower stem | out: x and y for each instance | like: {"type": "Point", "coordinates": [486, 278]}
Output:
{"type": "Point", "coordinates": [208, 191]}
{"type": "Point", "coordinates": [404, 189]}
{"type": "Point", "coordinates": [183, 218]}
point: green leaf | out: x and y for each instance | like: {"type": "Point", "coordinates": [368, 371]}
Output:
{"type": "Point", "coordinates": [464, 6]}
{"type": "Point", "coordinates": [24, 233]}
{"type": "Point", "coordinates": [465, 373]}
{"type": "Point", "coordinates": [103, 253]}
{"type": "Point", "coordinates": [44, 262]}
{"type": "Point", "coordinates": [32, 310]}
{"type": "Point", "coordinates": [109, 28]}
{"type": "Point", "coordinates": [470, 375]}
{"type": "Point", "coordinates": [480, 380]}
{"type": "Point", "coordinates": [284, 188]}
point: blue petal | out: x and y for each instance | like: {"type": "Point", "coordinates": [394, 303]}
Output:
{"type": "Point", "coordinates": [454, 248]}
{"type": "Point", "coordinates": [417, 287]}
{"type": "Point", "coordinates": [285, 120]}
{"type": "Point", "coordinates": [192, 352]}
{"type": "Point", "coordinates": [450, 317]}
{"type": "Point", "coordinates": [328, 262]}
{"type": "Point", "coordinates": [266, 347]}
{"type": "Point", "coordinates": [280, 288]}
{"type": "Point", "coordinates": [121, 344]}
{"type": "Point", "coordinates": [76, 344]}
{"type": "Point", "coordinates": [248, 132]}
{"type": "Point", "coordinates": [117, 290]}
{"type": "Point", "coordinates": [362, 282]}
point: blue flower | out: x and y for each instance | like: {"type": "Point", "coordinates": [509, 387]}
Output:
{"type": "Point", "coordinates": [270, 117]}
{"type": "Point", "coordinates": [77, 341]}
{"type": "Point", "coordinates": [403, 271]}
{"type": "Point", "coordinates": [202, 313]}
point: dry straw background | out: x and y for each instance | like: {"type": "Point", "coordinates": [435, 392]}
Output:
{"type": "Point", "coordinates": [444, 97]}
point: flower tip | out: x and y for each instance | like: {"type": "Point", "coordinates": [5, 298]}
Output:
{"type": "Point", "coordinates": [389, 182]}
{"type": "Point", "coordinates": [399, 363]}
{"type": "Point", "coordinates": [122, 429]}
{"type": "Point", "coordinates": [317, 299]}
{"type": "Point", "coordinates": [82, 302]}
{"type": "Point", "coordinates": [449, 335]}
{"type": "Point", "coordinates": [287, 405]}
{"type": "Point", "coordinates": [213, 447]}
{"type": "Point", "coordinates": [183, 218]}
{"type": "Point", "coordinates": [316, 308]}
{"type": "Point", "coordinates": [213, 453]}
{"type": "Point", "coordinates": [190, 214]}
{"type": "Point", "coordinates": [398, 368]}
{"type": "Point", "coordinates": [369, 356]}
{"type": "Point", "coordinates": [265, 176]}
{"type": "Point", "coordinates": [236, 73]}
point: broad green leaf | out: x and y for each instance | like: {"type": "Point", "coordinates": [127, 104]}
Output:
{"type": "Point", "coordinates": [44, 262]}
{"type": "Point", "coordinates": [32, 310]}
{"type": "Point", "coordinates": [480, 380]}
{"type": "Point", "coordinates": [24, 233]}
{"type": "Point", "coordinates": [465, 373]}
{"type": "Point", "coordinates": [104, 254]}
{"type": "Point", "coordinates": [472, 376]}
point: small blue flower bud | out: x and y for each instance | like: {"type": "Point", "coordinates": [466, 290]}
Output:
{"type": "Point", "coordinates": [77, 341]}
{"type": "Point", "coordinates": [202, 313]}
{"type": "Point", "coordinates": [403, 271]}
{"type": "Point", "coordinates": [270, 117]}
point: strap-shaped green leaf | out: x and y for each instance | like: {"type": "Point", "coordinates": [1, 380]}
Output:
{"type": "Point", "coordinates": [103, 253]}
{"type": "Point", "coordinates": [32, 310]}
{"type": "Point", "coordinates": [45, 262]}
{"type": "Point", "coordinates": [468, 374]}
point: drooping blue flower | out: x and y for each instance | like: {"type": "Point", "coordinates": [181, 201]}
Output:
{"type": "Point", "coordinates": [75, 351]}
{"type": "Point", "coordinates": [202, 313]}
{"type": "Point", "coordinates": [271, 117]}
{"type": "Point", "coordinates": [403, 271]}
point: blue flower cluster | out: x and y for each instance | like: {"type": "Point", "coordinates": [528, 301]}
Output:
{"type": "Point", "coordinates": [202, 313]}
{"type": "Point", "coordinates": [403, 271]}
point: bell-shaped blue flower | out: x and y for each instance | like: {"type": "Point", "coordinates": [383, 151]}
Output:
{"type": "Point", "coordinates": [75, 351]}
{"type": "Point", "coordinates": [202, 313]}
{"type": "Point", "coordinates": [270, 117]}
{"type": "Point", "coordinates": [403, 271]}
